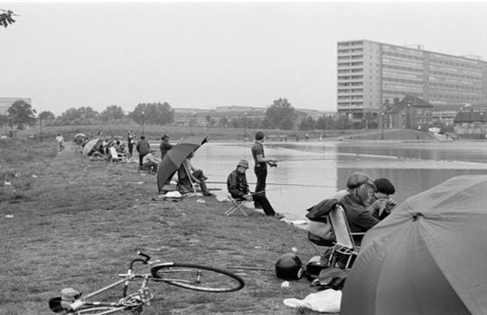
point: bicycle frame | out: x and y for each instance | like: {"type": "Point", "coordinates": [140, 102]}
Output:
{"type": "Point", "coordinates": [185, 275]}
{"type": "Point", "coordinates": [141, 297]}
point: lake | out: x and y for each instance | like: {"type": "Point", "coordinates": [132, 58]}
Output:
{"type": "Point", "coordinates": [312, 171]}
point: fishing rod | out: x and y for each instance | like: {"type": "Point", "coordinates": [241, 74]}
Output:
{"type": "Point", "coordinates": [279, 184]}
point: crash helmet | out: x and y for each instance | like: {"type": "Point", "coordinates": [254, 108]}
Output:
{"type": "Point", "coordinates": [314, 267]}
{"type": "Point", "coordinates": [289, 267]}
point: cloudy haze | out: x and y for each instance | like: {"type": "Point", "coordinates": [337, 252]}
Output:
{"type": "Point", "coordinates": [203, 55]}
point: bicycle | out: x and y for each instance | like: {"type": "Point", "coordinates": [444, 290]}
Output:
{"type": "Point", "coordinates": [188, 276]}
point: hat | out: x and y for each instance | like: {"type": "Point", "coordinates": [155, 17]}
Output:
{"type": "Point", "coordinates": [243, 163]}
{"type": "Point", "coordinates": [357, 179]}
{"type": "Point", "coordinates": [384, 186]}
{"type": "Point", "coordinates": [259, 135]}
{"type": "Point", "coordinates": [165, 137]}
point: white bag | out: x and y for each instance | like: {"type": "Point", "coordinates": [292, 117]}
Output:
{"type": "Point", "coordinates": [326, 301]}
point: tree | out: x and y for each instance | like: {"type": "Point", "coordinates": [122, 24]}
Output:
{"type": "Point", "coordinates": [155, 113]}
{"type": "Point", "coordinates": [20, 114]}
{"type": "Point", "coordinates": [223, 122]}
{"type": "Point", "coordinates": [112, 112]}
{"type": "Point", "coordinates": [46, 115]}
{"type": "Point", "coordinates": [3, 120]}
{"type": "Point", "coordinates": [280, 115]}
{"type": "Point", "coordinates": [307, 123]}
{"type": "Point", "coordinates": [6, 18]}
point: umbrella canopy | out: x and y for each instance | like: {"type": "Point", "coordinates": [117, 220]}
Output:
{"type": "Point", "coordinates": [175, 157]}
{"type": "Point", "coordinates": [427, 257]}
{"type": "Point", "coordinates": [79, 137]}
{"type": "Point", "coordinates": [90, 145]}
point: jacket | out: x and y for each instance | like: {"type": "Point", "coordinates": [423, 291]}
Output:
{"type": "Point", "coordinates": [237, 184]}
{"type": "Point", "coordinates": [143, 147]}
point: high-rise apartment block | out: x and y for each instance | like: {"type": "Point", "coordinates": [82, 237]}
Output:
{"type": "Point", "coordinates": [371, 75]}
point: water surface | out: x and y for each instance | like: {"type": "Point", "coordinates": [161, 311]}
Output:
{"type": "Point", "coordinates": [312, 171]}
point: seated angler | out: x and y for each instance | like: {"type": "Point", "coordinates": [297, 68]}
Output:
{"type": "Point", "coordinates": [188, 176]}
{"type": "Point", "coordinates": [239, 189]}
{"type": "Point", "coordinates": [151, 161]}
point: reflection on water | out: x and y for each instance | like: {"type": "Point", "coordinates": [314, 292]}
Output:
{"type": "Point", "coordinates": [312, 171]}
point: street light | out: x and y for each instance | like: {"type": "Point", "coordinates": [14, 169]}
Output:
{"type": "Point", "coordinates": [245, 126]}
{"type": "Point", "coordinates": [143, 122]}
{"type": "Point", "coordinates": [481, 114]}
{"type": "Point", "coordinates": [382, 125]}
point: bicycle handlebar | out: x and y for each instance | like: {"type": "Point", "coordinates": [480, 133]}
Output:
{"type": "Point", "coordinates": [147, 257]}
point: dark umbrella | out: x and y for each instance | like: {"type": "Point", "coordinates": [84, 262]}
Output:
{"type": "Point", "coordinates": [90, 145]}
{"type": "Point", "coordinates": [175, 157]}
{"type": "Point", "coordinates": [427, 257]}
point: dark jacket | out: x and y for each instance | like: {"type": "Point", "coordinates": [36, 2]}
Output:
{"type": "Point", "coordinates": [237, 184]}
{"type": "Point", "coordinates": [143, 147]}
{"type": "Point", "coordinates": [164, 147]}
{"type": "Point", "coordinates": [358, 217]}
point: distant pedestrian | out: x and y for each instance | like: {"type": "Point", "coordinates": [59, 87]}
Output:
{"type": "Point", "coordinates": [143, 147]}
{"type": "Point", "coordinates": [60, 142]}
{"type": "Point", "coordinates": [130, 142]}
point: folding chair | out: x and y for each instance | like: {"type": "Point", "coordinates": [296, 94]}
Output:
{"type": "Point", "coordinates": [237, 204]}
{"type": "Point", "coordinates": [114, 155]}
{"type": "Point", "coordinates": [344, 242]}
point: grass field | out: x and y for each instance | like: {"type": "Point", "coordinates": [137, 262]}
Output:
{"type": "Point", "coordinates": [154, 133]}
{"type": "Point", "coordinates": [66, 221]}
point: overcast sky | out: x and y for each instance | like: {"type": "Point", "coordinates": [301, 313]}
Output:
{"type": "Point", "coordinates": [203, 55]}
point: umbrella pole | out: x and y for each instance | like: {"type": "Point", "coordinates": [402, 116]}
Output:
{"type": "Point", "coordinates": [189, 177]}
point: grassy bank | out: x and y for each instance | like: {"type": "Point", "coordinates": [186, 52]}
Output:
{"type": "Point", "coordinates": [66, 221]}
{"type": "Point", "coordinates": [154, 133]}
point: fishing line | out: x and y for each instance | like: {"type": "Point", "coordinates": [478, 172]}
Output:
{"type": "Point", "coordinates": [280, 184]}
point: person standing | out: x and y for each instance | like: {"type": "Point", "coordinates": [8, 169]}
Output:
{"type": "Point", "coordinates": [130, 142]}
{"type": "Point", "coordinates": [143, 147]}
{"type": "Point", "coordinates": [165, 145]}
{"type": "Point", "coordinates": [60, 142]}
{"type": "Point", "coordinates": [239, 189]}
{"type": "Point", "coordinates": [260, 167]}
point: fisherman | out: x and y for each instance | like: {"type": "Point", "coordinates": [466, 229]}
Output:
{"type": "Point", "coordinates": [151, 161]}
{"type": "Point", "coordinates": [143, 147]}
{"type": "Point", "coordinates": [260, 167]}
{"type": "Point", "coordinates": [188, 176]}
{"type": "Point", "coordinates": [130, 142]}
{"type": "Point", "coordinates": [239, 189]}
{"type": "Point", "coordinates": [165, 145]}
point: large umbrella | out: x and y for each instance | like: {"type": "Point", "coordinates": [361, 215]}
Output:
{"type": "Point", "coordinates": [175, 157]}
{"type": "Point", "coordinates": [427, 257]}
{"type": "Point", "coordinates": [90, 145]}
{"type": "Point", "coordinates": [79, 137]}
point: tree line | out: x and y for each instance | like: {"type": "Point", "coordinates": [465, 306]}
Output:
{"type": "Point", "coordinates": [278, 115]}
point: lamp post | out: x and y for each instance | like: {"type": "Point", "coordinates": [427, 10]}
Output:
{"type": "Point", "coordinates": [245, 126]}
{"type": "Point", "coordinates": [481, 114]}
{"type": "Point", "coordinates": [143, 122]}
{"type": "Point", "coordinates": [408, 118]}
{"type": "Point", "coordinates": [40, 126]}
{"type": "Point", "coordinates": [382, 125]}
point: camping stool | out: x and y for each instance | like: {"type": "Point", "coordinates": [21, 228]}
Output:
{"type": "Point", "coordinates": [237, 204]}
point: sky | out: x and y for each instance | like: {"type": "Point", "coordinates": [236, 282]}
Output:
{"type": "Point", "coordinates": [206, 54]}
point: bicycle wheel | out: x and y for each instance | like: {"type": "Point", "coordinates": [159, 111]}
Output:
{"type": "Point", "coordinates": [98, 310]}
{"type": "Point", "coordinates": [197, 277]}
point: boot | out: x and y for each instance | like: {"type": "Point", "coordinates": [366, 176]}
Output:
{"type": "Point", "coordinates": [204, 189]}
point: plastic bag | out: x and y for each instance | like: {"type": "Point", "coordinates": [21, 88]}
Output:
{"type": "Point", "coordinates": [327, 301]}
